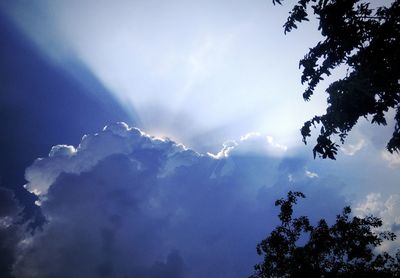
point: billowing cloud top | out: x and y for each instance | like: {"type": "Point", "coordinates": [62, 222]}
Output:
{"type": "Point", "coordinates": [113, 140]}
{"type": "Point", "coordinates": [126, 204]}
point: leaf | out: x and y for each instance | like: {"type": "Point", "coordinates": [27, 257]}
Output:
{"type": "Point", "coordinates": [331, 155]}
{"type": "Point", "coordinates": [364, 39]}
{"type": "Point", "coordinates": [347, 247]}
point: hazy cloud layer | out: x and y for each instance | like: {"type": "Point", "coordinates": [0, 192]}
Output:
{"type": "Point", "coordinates": [124, 204]}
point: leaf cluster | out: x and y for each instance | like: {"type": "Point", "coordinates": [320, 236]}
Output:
{"type": "Point", "coordinates": [365, 41]}
{"type": "Point", "coordinates": [345, 249]}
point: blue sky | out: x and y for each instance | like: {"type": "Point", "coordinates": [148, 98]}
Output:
{"type": "Point", "coordinates": [220, 65]}
{"type": "Point", "coordinates": [221, 80]}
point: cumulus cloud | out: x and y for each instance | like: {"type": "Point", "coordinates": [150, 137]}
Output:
{"type": "Point", "coordinates": [126, 204]}
{"type": "Point", "coordinates": [388, 209]}
{"type": "Point", "coordinates": [393, 159]}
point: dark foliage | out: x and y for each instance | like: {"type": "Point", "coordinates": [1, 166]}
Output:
{"type": "Point", "coordinates": [366, 41]}
{"type": "Point", "coordinates": [345, 249]}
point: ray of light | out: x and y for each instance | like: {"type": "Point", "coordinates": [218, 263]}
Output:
{"type": "Point", "coordinates": [187, 67]}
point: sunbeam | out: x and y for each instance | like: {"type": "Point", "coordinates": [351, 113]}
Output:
{"type": "Point", "coordinates": [185, 67]}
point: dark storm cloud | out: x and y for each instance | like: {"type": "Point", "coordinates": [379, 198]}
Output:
{"type": "Point", "coordinates": [124, 204]}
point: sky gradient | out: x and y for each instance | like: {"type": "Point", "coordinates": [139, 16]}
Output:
{"type": "Point", "coordinates": [202, 106]}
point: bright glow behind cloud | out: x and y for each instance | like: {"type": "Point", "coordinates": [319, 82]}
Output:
{"type": "Point", "coordinates": [201, 65]}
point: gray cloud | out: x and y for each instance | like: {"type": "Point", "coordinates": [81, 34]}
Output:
{"type": "Point", "coordinates": [125, 204]}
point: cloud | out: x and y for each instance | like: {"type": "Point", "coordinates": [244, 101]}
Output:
{"type": "Point", "coordinates": [252, 143]}
{"type": "Point", "coordinates": [10, 232]}
{"type": "Point", "coordinates": [311, 175]}
{"type": "Point", "coordinates": [126, 204]}
{"type": "Point", "coordinates": [352, 149]}
{"type": "Point", "coordinates": [393, 159]}
{"type": "Point", "coordinates": [387, 209]}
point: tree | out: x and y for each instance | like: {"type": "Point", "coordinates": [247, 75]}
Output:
{"type": "Point", "coordinates": [345, 249]}
{"type": "Point", "coordinates": [365, 41]}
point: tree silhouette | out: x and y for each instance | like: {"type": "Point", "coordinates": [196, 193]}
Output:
{"type": "Point", "coordinates": [345, 249]}
{"type": "Point", "coordinates": [366, 41]}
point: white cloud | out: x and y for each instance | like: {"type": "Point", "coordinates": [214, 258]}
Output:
{"type": "Point", "coordinates": [125, 204]}
{"type": "Point", "coordinates": [311, 175]}
{"type": "Point", "coordinates": [393, 159]}
{"type": "Point", "coordinates": [251, 143]}
{"type": "Point", "coordinates": [388, 210]}
{"type": "Point", "coordinates": [114, 139]}
{"type": "Point", "coordinates": [352, 149]}
{"type": "Point", "coordinates": [227, 147]}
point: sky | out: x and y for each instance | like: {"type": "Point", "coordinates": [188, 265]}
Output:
{"type": "Point", "coordinates": [151, 138]}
